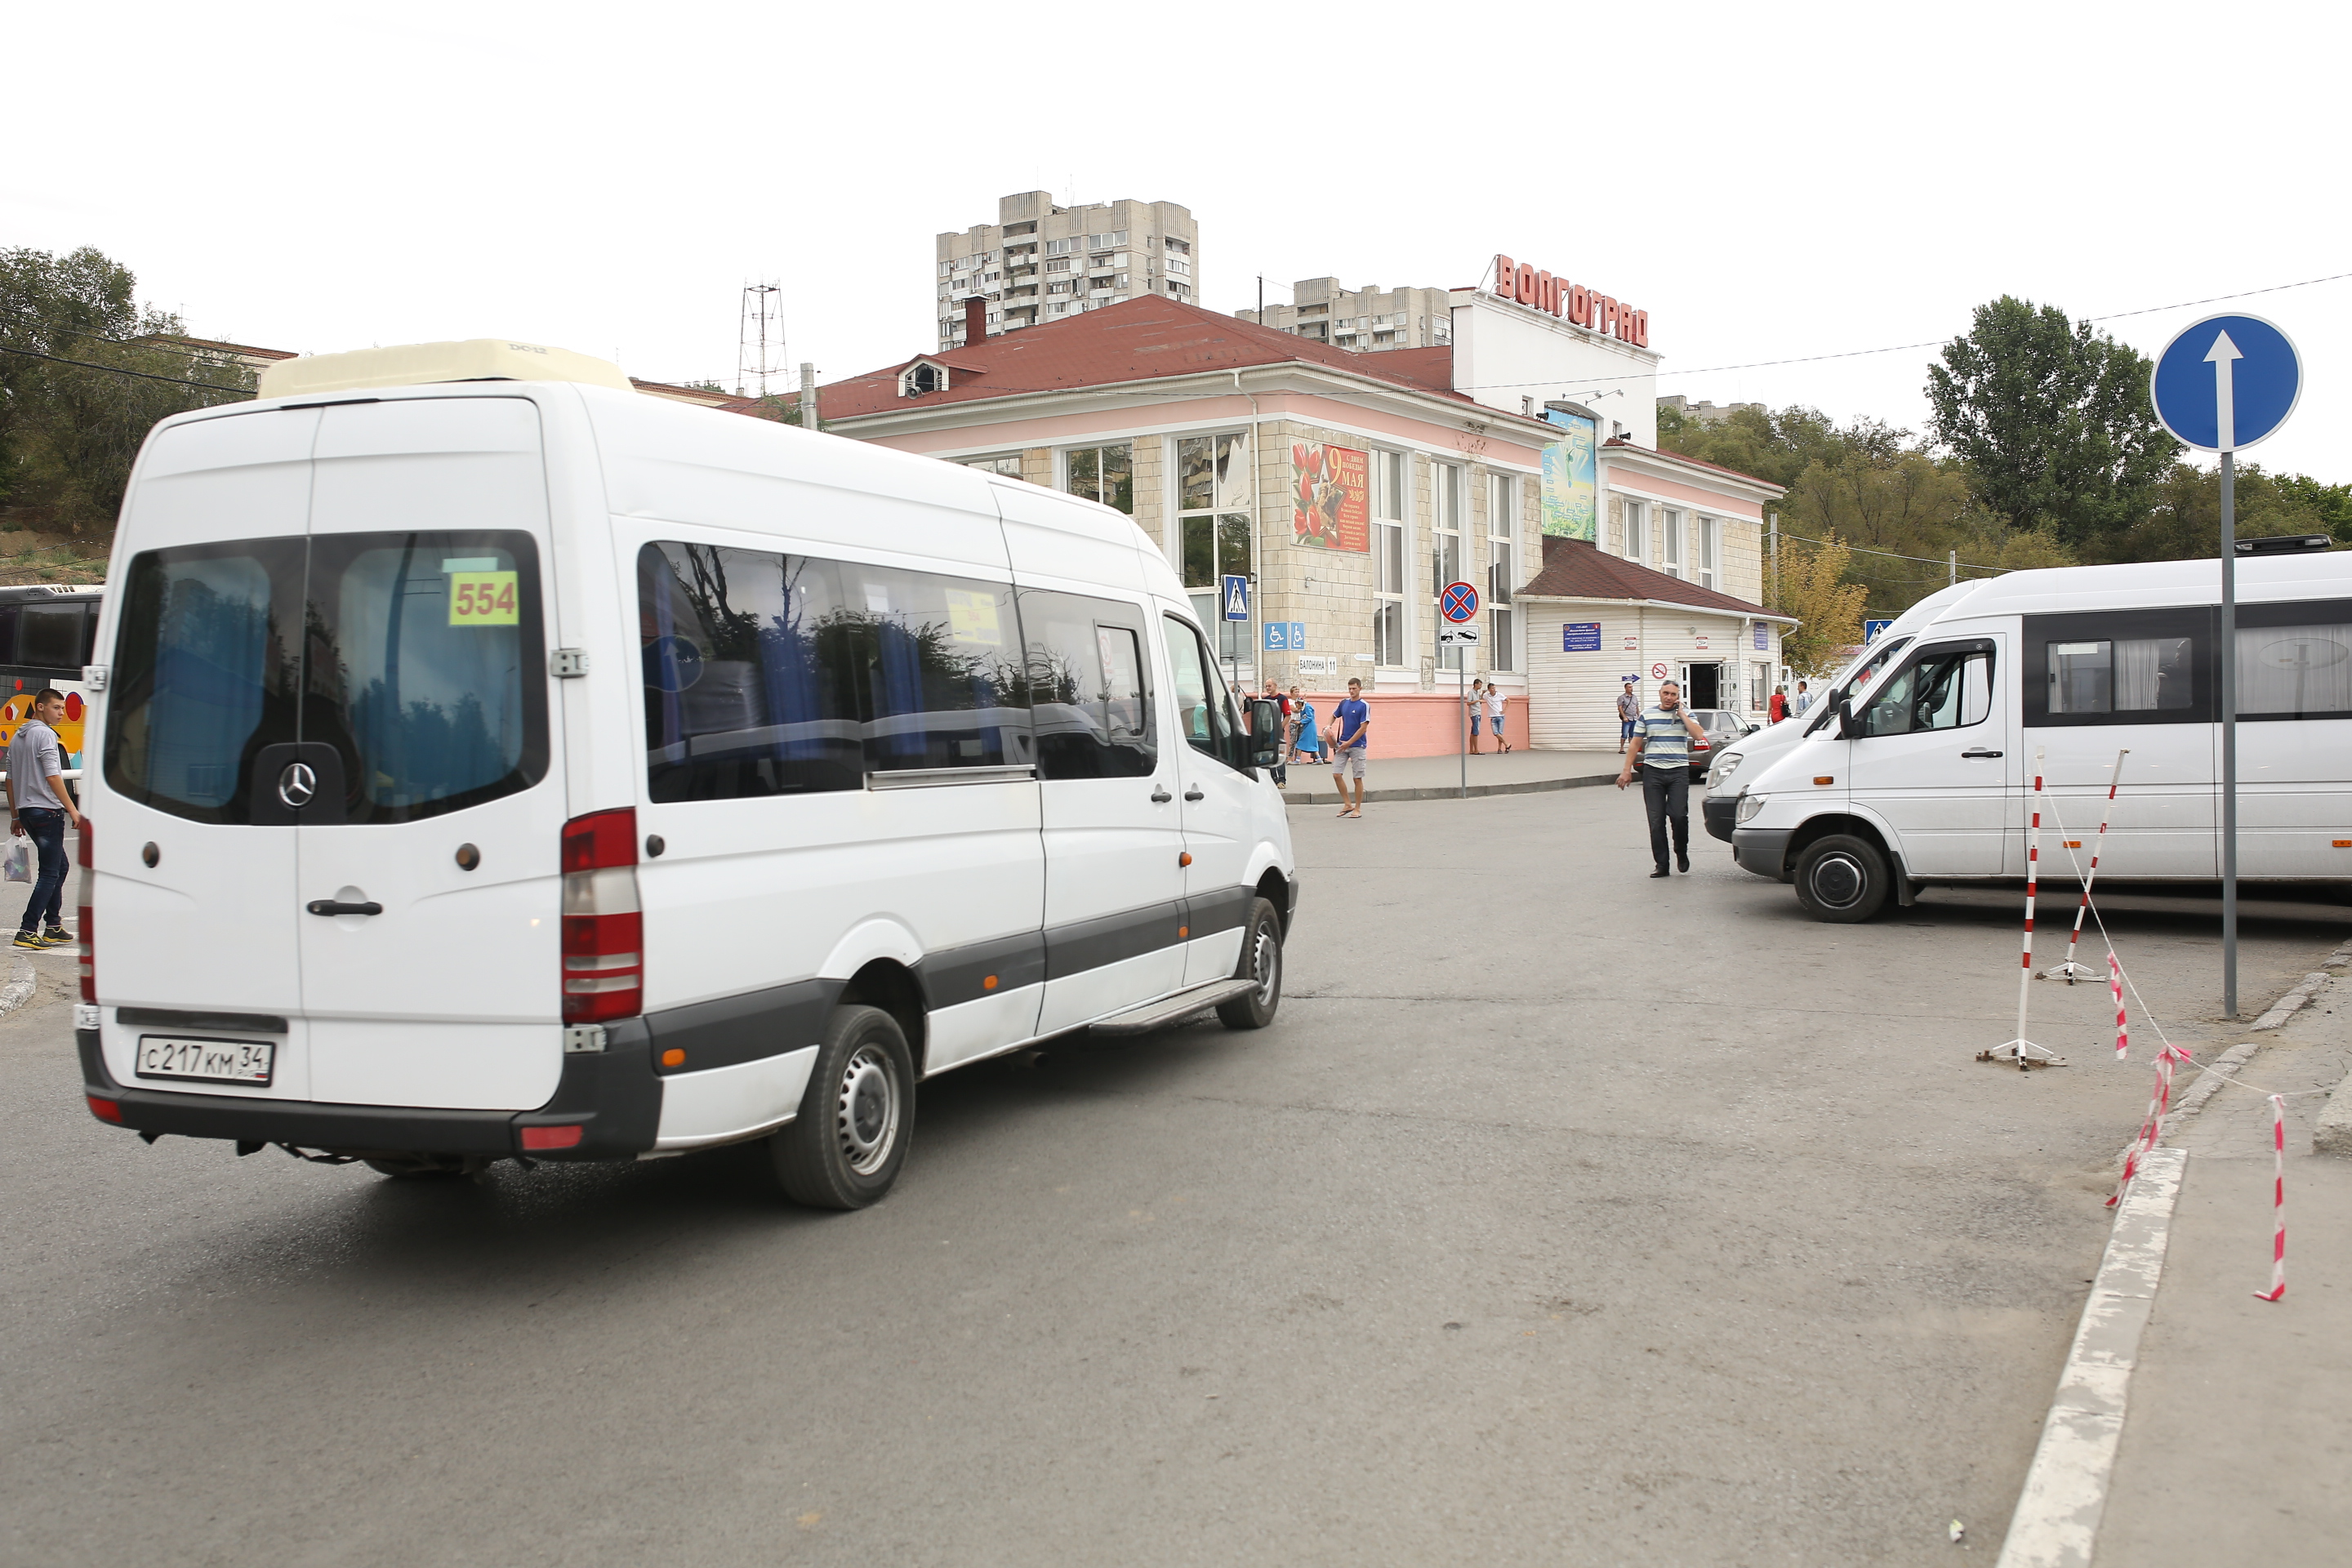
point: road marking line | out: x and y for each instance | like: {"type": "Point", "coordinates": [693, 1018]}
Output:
{"type": "Point", "coordinates": [2057, 1517]}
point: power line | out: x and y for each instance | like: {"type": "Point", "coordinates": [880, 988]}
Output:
{"type": "Point", "coordinates": [118, 370]}
{"type": "Point", "coordinates": [1861, 550]}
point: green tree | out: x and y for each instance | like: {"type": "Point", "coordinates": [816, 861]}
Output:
{"type": "Point", "coordinates": [1828, 608]}
{"type": "Point", "coordinates": [68, 431]}
{"type": "Point", "coordinates": [2185, 522]}
{"type": "Point", "coordinates": [2052, 420]}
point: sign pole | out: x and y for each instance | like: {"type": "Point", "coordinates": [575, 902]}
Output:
{"type": "Point", "coordinates": [1462, 721]}
{"type": "Point", "coordinates": [2222, 383]}
{"type": "Point", "coordinates": [2229, 718]}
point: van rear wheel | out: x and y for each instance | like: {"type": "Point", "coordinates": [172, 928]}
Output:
{"type": "Point", "coordinates": [846, 1148]}
{"type": "Point", "coordinates": [1261, 962]}
{"type": "Point", "coordinates": [1841, 879]}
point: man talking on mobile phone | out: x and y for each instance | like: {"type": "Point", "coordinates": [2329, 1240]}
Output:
{"type": "Point", "coordinates": [1662, 738]}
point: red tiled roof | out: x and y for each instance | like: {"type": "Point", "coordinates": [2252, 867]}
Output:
{"type": "Point", "coordinates": [1620, 441]}
{"type": "Point", "coordinates": [680, 393]}
{"type": "Point", "coordinates": [1576, 569]}
{"type": "Point", "coordinates": [1145, 339]}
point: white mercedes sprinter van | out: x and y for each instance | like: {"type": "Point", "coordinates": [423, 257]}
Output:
{"type": "Point", "coordinates": [1929, 777]}
{"type": "Point", "coordinates": [575, 774]}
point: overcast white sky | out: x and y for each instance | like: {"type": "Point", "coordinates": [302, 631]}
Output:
{"type": "Point", "coordinates": [1770, 182]}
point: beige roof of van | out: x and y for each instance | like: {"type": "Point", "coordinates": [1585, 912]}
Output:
{"type": "Point", "coordinates": [413, 365]}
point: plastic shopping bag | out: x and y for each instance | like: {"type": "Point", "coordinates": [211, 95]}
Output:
{"type": "Point", "coordinates": [20, 860]}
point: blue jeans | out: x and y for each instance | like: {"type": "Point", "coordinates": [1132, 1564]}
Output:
{"type": "Point", "coordinates": [46, 827]}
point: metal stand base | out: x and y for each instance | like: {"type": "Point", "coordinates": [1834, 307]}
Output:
{"type": "Point", "coordinates": [2070, 972]}
{"type": "Point", "coordinates": [2024, 1053]}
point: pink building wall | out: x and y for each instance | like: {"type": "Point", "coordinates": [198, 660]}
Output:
{"type": "Point", "coordinates": [1417, 723]}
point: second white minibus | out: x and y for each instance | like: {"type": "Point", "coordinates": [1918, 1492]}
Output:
{"type": "Point", "coordinates": [1927, 775]}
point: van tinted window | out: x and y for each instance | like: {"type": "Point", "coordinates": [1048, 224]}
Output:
{"type": "Point", "coordinates": [418, 657]}
{"type": "Point", "coordinates": [1089, 694]}
{"type": "Point", "coordinates": [770, 674]}
{"type": "Point", "coordinates": [2120, 667]}
{"type": "Point", "coordinates": [49, 636]}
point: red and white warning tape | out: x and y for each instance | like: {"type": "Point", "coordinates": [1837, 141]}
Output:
{"type": "Point", "coordinates": [2160, 1100]}
{"type": "Point", "coordinates": [2278, 1200]}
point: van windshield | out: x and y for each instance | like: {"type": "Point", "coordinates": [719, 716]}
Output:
{"type": "Point", "coordinates": [418, 657]}
{"type": "Point", "coordinates": [1859, 675]}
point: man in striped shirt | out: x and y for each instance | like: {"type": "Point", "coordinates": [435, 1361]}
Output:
{"type": "Point", "coordinates": [1662, 738]}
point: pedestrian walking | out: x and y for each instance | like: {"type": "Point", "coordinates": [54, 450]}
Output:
{"type": "Point", "coordinates": [1628, 709]}
{"type": "Point", "coordinates": [1495, 716]}
{"type": "Point", "coordinates": [1804, 698]}
{"type": "Point", "coordinates": [1475, 705]}
{"type": "Point", "coordinates": [1306, 739]}
{"type": "Point", "coordinates": [39, 806]}
{"type": "Point", "coordinates": [1662, 751]}
{"type": "Point", "coordinates": [1779, 708]}
{"type": "Point", "coordinates": [1353, 721]}
{"type": "Point", "coordinates": [1280, 772]}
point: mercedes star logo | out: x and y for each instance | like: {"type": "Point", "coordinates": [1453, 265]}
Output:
{"type": "Point", "coordinates": [297, 785]}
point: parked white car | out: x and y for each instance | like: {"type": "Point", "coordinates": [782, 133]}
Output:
{"type": "Point", "coordinates": [580, 775]}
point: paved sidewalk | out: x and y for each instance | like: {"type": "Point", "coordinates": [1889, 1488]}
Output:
{"type": "Point", "coordinates": [1438, 778]}
{"type": "Point", "coordinates": [2239, 1430]}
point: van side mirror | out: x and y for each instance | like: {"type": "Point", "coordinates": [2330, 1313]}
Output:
{"type": "Point", "coordinates": [1848, 726]}
{"type": "Point", "coordinates": [1265, 732]}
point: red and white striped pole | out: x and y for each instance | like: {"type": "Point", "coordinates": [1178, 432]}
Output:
{"type": "Point", "coordinates": [2071, 971]}
{"type": "Point", "coordinates": [2022, 1051]}
{"type": "Point", "coordinates": [2160, 1100]}
{"type": "Point", "coordinates": [2278, 1200]}
{"type": "Point", "coordinates": [2116, 985]}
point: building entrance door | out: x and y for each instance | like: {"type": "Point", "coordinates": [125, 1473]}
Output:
{"type": "Point", "coordinates": [1702, 685]}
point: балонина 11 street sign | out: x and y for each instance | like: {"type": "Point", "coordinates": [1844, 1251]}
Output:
{"type": "Point", "coordinates": [2226, 383]}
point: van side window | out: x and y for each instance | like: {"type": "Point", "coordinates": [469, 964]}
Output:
{"type": "Point", "coordinates": [2294, 661]}
{"type": "Point", "coordinates": [1090, 697]}
{"type": "Point", "coordinates": [1204, 714]}
{"type": "Point", "coordinates": [2119, 667]}
{"type": "Point", "coordinates": [770, 674]}
{"type": "Point", "coordinates": [1936, 691]}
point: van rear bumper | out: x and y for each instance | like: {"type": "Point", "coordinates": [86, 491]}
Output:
{"type": "Point", "coordinates": [611, 1095]}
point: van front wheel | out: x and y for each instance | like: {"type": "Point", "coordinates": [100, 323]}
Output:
{"type": "Point", "coordinates": [845, 1149]}
{"type": "Point", "coordinates": [1841, 879]}
{"type": "Point", "coordinates": [1261, 962]}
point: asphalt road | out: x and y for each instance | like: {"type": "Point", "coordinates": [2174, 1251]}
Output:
{"type": "Point", "coordinates": [1562, 1216]}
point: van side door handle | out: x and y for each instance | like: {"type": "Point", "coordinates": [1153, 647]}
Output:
{"type": "Point", "coordinates": [1159, 796]}
{"type": "Point", "coordinates": [1980, 751]}
{"type": "Point", "coordinates": [1196, 792]}
{"type": "Point", "coordinates": [337, 906]}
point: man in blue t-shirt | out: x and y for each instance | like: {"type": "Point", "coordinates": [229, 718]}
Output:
{"type": "Point", "coordinates": [1352, 724]}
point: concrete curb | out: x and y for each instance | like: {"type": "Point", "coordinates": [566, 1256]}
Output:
{"type": "Point", "coordinates": [19, 987]}
{"type": "Point", "coordinates": [2056, 1521]}
{"type": "Point", "coordinates": [2287, 1006]}
{"type": "Point", "coordinates": [1530, 786]}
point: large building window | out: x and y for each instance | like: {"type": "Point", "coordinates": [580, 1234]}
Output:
{"type": "Point", "coordinates": [1637, 532]}
{"type": "Point", "coordinates": [1710, 548]}
{"type": "Point", "coordinates": [1503, 565]}
{"type": "Point", "coordinates": [1389, 559]}
{"type": "Point", "coordinates": [1213, 496]}
{"type": "Point", "coordinates": [1106, 474]}
{"type": "Point", "coordinates": [1451, 489]}
{"type": "Point", "coordinates": [1670, 541]}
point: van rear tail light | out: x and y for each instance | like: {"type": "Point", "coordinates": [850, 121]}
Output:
{"type": "Point", "coordinates": [603, 934]}
{"type": "Point", "coordinates": [82, 901]}
{"type": "Point", "coordinates": [104, 1109]}
{"type": "Point", "coordinates": [535, 1139]}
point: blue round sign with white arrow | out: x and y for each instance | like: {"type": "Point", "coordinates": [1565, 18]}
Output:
{"type": "Point", "coordinates": [2227, 383]}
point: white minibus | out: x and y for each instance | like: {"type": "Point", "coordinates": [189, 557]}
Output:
{"type": "Point", "coordinates": [522, 766]}
{"type": "Point", "coordinates": [1928, 776]}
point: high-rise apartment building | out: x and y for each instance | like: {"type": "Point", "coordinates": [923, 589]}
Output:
{"type": "Point", "coordinates": [1038, 262]}
{"type": "Point", "coordinates": [1367, 320]}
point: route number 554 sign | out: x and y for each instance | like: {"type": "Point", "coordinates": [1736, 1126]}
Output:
{"type": "Point", "coordinates": [482, 599]}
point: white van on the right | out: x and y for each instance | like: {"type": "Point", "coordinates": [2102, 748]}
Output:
{"type": "Point", "coordinates": [1929, 778]}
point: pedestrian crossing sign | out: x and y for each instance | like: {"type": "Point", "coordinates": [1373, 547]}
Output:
{"type": "Point", "coordinates": [1236, 599]}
